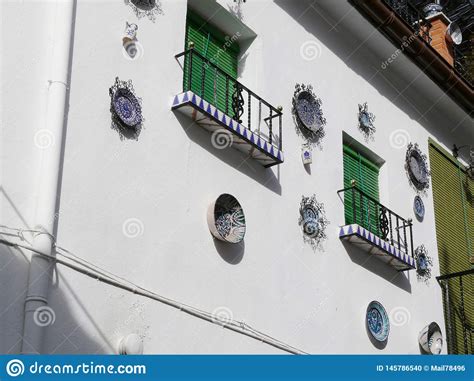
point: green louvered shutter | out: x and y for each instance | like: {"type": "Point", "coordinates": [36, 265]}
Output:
{"type": "Point", "coordinates": [215, 46]}
{"type": "Point", "coordinates": [453, 197]}
{"type": "Point", "coordinates": [366, 173]}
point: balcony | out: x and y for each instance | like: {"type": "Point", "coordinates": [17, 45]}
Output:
{"type": "Point", "coordinates": [226, 108]}
{"type": "Point", "coordinates": [413, 15]}
{"type": "Point", "coordinates": [377, 230]}
{"type": "Point", "coordinates": [458, 300]}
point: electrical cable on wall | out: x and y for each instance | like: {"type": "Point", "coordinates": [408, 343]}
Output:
{"type": "Point", "coordinates": [93, 271]}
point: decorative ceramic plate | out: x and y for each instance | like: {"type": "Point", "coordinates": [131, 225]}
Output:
{"type": "Point", "coordinates": [366, 120]}
{"type": "Point", "coordinates": [127, 107]}
{"type": "Point", "coordinates": [419, 208]}
{"type": "Point", "coordinates": [436, 342]}
{"type": "Point", "coordinates": [377, 321]}
{"type": "Point", "coordinates": [226, 219]}
{"type": "Point", "coordinates": [145, 5]}
{"type": "Point", "coordinates": [431, 339]}
{"type": "Point", "coordinates": [422, 264]}
{"type": "Point", "coordinates": [310, 220]}
{"type": "Point", "coordinates": [417, 167]}
{"type": "Point", "coordinates": [309, 111]}
{"type": "Point", "coordinates": [148, 8]}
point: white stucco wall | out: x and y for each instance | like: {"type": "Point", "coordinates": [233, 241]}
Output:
{"type": "Point", "coordinates": [164, 181]}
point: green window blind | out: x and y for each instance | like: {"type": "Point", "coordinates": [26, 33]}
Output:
{"type": "Point", "coordinates": [453, 198]}
{"type": "Point", "coordinates": [366, 173]}
{"type": "Point", "coordinates": [217, 48]}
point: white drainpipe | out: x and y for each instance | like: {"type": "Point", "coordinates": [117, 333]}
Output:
{"type": "Point", "coordinates": [49, 168]}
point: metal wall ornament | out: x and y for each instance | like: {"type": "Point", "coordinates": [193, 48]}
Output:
{"type": "Point", "coordinates": [126, 109]}
{"type": "Point", "coordinates": [419, 208]}
{"type": "Point", "coordinates": [308, 114]}
{"type": "Point", "coordinates": [237, 103]}
{"type": "Point", "coordinates": [470, 165]}
{"type": "Point", "coordinates": [470, 169]}
{"type": "Point", "coordinates": [469, 191]}
{"type": "Point", "coordinates": [366, 122]}
{"type": "Point", "coordinates": [145, 8]}
{"type": "Point", "coordinates": [416, 166]}
{"type": "Point", "coordinates": [226, 219]}
{"type": "Point", "coordinates": [377, 320]}
{"type": "Point", "coordinates": [424, 263]}
{"type": "Point", "coordinates": [313, 221]}
{"type": "Point", "coordinates": [384, 225]}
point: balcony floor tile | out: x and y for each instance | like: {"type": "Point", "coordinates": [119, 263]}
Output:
{"type": "Point", "coordinates": [369, 242]}
{"type": "Point", "coordinates": [212, 119]}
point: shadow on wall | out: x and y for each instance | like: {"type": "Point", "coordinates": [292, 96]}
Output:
{"type": "Point", "coordinates": [13, 280]}
{"type": "Point", "coordinates": [14, 268]}
{"type": "Point", "coordinates": [70, 334]}
{"type": "Point", "coordinates": [376, 266]}
{"type": "Point", "coordinates": [232, 157]}
{"type": "Point", "coordinates": [61, 325]}
{"type": "Point", "coordinates": [231, 253]}
{"type": "Point", "coordinates": [316, 21]}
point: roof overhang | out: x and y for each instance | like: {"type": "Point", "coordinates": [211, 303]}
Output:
{"type": "Point", "coordinates": [427, 58]}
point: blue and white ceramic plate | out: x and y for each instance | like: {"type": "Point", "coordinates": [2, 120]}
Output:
{"type": "Point", "coordinates": [309, 111]}
{"type": "Point", "coordinates": [310, 220]}
{"type": "Point", "coordinates": [226, 219]}
{"type": "Point", "coordinates": [419, 208]}
{"type": "Point", "coordinates": [422, 264]}
{"type": "Point", "coordinates": [127, 107]}
{"type": "Point", "coordinates": [417, 169]}
{"type": "Point", "coordinates": [377, 321]}
{"type": "Point", "coordinates": [364, 119]}
{"type": "Point", "coordinates": [145, 5]}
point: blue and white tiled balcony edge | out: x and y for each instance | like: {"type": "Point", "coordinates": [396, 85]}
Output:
{"type": "Point", "coordinates": [209, 117]}
{"type": "Point", "coordinates": [374, 245]}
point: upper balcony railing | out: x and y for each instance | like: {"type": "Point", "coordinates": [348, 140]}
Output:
{"type": "Point", "coordinates": [378, 219]}
{"type": "Point", "coordinates": [210, 82]}
{"type": "Point", "coordinates": [413, 16]}
{"type": "Point", "coordinates": [464, 60]}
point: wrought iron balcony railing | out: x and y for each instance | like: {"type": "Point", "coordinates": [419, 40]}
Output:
{"type": "Point", "coordinates": [210, 82]}
{"type": "Point", "coordinates": [378, 219]}
{"type": "Point", "coordinates": [458, 297]}
{"type": "Point", "coordinates": [414, 17]}
{"type": "Point", "coordinates": [464, 60]}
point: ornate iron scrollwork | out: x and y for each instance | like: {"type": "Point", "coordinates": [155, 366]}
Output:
{"type": "Point", "coordinates": [383, 223]}
{"type": "Point", "coordinates": [237, 102]}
